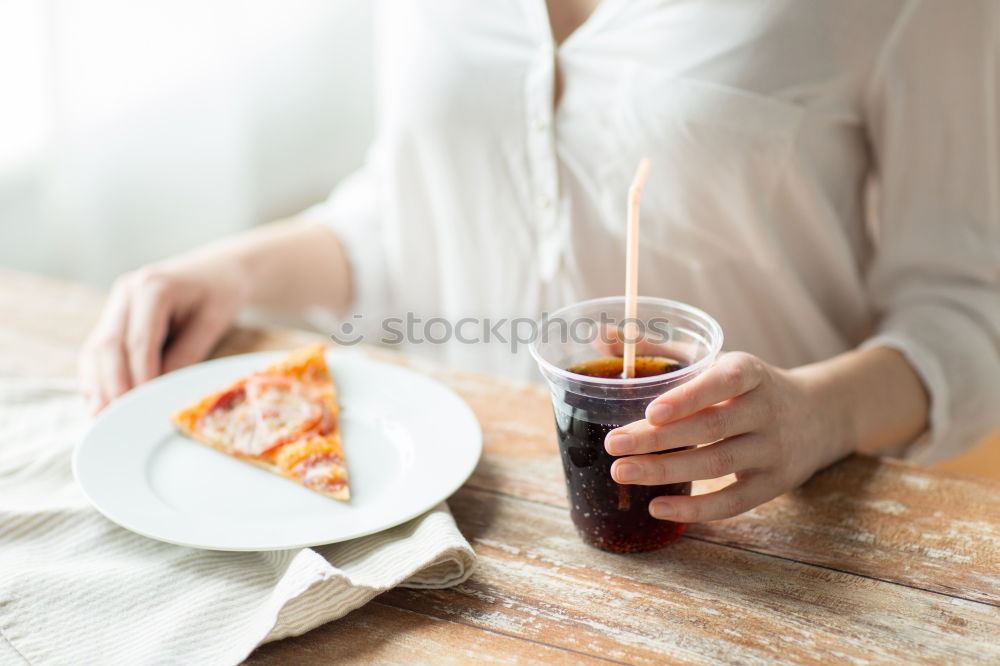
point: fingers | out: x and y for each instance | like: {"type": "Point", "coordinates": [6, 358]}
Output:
{"type": "Point", "coordinates": [196, 338]}
{"type": "Point", "coordinates": [738, 454]}
{"type": "Point", "coordinates": [114, 374]}
{"type": "Point", "coordinates": [148, 319]}
{"type": "Point", "coordinates": [186, 306]}
{"type": "Point", "coordinates": [103, 375]}
{"type": "Point", "coordinates": [104, 369]}
{"type": "Point", "coordinates": [746, 493]}
{"type": "Point", "coordinates": [125, 346]}
{"type": "Point", "coordinates": [733, 417]}
{"type": "Point", "coordinates": [732, 375]}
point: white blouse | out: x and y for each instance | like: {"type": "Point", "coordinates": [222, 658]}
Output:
{"type": "Point", "coordinates": [766, 122]}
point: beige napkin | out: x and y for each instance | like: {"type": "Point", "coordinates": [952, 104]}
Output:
{"type": "Point", "coordinates": [77, 589]}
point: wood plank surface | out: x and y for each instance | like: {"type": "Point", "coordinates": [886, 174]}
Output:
{"type": "Point", "coordinates": [692, 602]}
{"type": "Point", "coordinates": [886, 520]}
{"type": "Point", "coordinates": [872, 561]}
{"type": "Point", "coordinates": [386, 634]}
{"type": "Point", "coordinates": [538, 583]}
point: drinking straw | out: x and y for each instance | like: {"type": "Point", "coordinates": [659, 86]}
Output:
{"type": "Point", "coordinates": [632, 267]}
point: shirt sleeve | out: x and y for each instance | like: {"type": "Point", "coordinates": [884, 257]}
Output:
{"type": "Point", "coordinates": [352, 212]}
{"type": "Point", "coordinates": [933, 111]}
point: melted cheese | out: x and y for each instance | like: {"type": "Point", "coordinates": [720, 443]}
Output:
{"type": "Point", "coordinates": [322, 470]}
{"type": "Point", "coordinates": [233, 427]}
{"type": "Point", "coordinates": [269, 411]}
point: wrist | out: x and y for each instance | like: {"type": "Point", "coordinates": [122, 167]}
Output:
{"type": "Point", "coordinates": [877, 402]}
{"type": "Point", "coordinates": [237, 267]}
{"type": "Point", "coordinates": [219, 266]}
{"type": "Point", "coordinates": [834, 414]}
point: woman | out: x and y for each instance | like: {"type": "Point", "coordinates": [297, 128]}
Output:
{"type": "Point", "coordinates": [506, 137]}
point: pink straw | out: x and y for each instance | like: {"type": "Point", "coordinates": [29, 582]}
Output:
{"type": "Point", "coordinates": [632, 267]}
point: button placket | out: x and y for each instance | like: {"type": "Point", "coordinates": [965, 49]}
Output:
{"type": "Point", "coordinates": [542, 157]}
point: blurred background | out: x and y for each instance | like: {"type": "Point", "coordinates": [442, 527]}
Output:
{"type": "Point", "coordinates": [131, 130]}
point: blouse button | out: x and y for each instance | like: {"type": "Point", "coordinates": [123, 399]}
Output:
{"type": "Point", "coordinates": [544, 201]}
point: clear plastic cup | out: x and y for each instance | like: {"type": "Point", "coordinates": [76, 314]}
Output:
{"type": "Point", "coordinates": [607, 515]}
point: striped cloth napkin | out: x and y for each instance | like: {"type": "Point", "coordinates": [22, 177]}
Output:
{"type": "Point", "coordinates": [77, 589]}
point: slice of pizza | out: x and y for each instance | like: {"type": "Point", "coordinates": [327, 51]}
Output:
{"type": "Point", "coordinates": [282, 418]}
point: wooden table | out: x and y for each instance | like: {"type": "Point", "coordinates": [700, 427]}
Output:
{"type": "Point", "coordinates": [871, 561]}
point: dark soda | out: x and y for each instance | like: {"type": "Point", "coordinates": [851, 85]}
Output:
{"type": "Point", "coordinates": [608, 515]}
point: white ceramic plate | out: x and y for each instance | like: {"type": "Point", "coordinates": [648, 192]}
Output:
{"type": "Point", "coordinates": [410, 443]}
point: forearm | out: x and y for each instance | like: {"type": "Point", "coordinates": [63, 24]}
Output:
{"type": "Point", "coordinates": [876, 395]}
{"type": "Point", "coordinates": [286, 265]}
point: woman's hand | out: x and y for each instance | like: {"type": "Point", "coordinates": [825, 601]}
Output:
{"type": "Point", "coordinates": [172, 313]}
{"type": "Point", "coordinates": [773, 428]}
{"type": "Point", "coordinates": [157, 319]}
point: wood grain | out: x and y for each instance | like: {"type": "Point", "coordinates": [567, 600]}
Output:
{"type": "Point", "coordinates": [887, 520]}
{"type": "Point", "coordinates": [384, 634]}
{"type": "Point", "coordinates": [691, 602]}
{"type": "Point", "coordinates": [871, 561]}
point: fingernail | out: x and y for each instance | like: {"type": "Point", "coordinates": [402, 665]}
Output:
{"type": "Point", "coordinates": [627, 472]}
{"type": "Point", "coordinates": [619, 444]}
{"type": "Point", "coordinates": [659, 414]}
{"type": "Point", "coordinates": [661, 509]}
